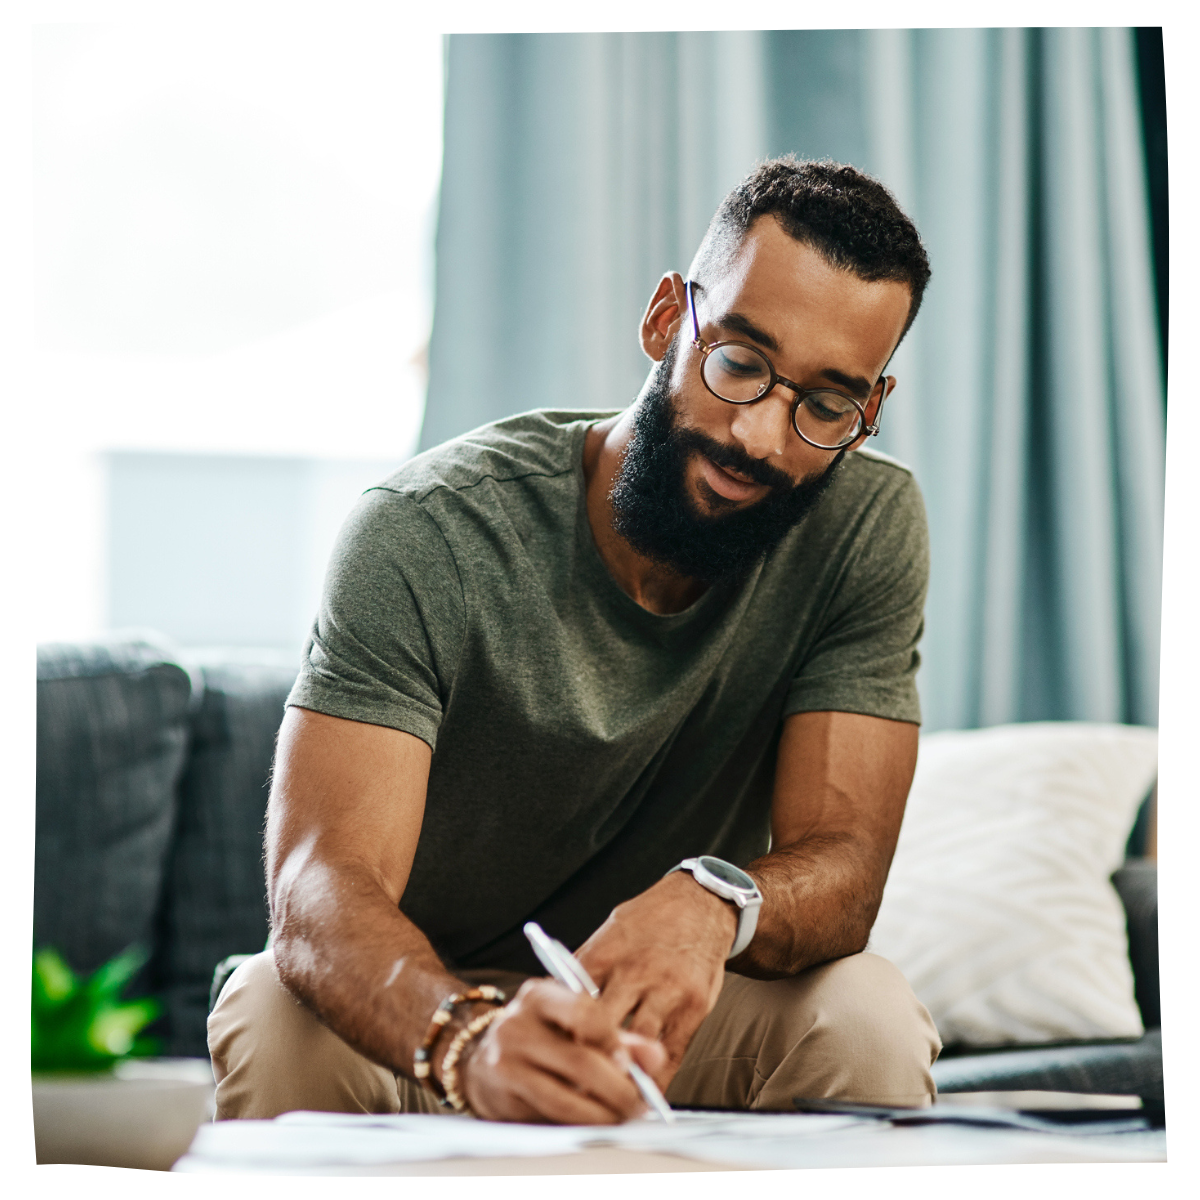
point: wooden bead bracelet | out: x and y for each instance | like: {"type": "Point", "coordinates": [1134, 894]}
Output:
{"type": "Point", "coordinates": [423, 1058]}
{"type": "Point", "coordinates": [471, 1029]}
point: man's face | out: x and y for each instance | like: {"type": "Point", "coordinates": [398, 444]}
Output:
{"type": "Point", "coordinates": [707, 487]}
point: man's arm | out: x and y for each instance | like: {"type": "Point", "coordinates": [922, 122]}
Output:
{"type": "Point", "coordinates": [343, 818]}
{"type": "Point", "coordinates": [841, 783]}
{"type": "Point", "coordinates": [347, 801]}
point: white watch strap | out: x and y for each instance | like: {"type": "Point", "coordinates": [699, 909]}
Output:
{"type": "Point", "coordinates": [747, 923]}
{"type": "Point", "coordinates": [747, 912]}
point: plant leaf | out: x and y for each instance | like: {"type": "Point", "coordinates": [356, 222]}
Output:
{"type": "Point", "coordinates": [107, 981]}
{"type": "Point", "coordinates": [113, 1027]}
{"type": "Point", "coordinates": [82, 1025]}
{"type": "Point", "coordinates": [53, 980]}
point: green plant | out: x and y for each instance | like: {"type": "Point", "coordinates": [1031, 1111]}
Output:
{"type": "Point", "coordinates": [82, 1024]}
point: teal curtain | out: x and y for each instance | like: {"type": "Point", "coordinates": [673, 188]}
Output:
{"type": "Point", "coordinates": [577, 168]}
{"type": "Point", "coordinates": [580, 167]}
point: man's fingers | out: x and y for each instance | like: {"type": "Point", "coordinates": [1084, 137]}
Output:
{"type": "Point", "coordinates": [665, 1016]}
{"type": "Point", "coordinates": [555, 1100]}
{"type": "Point", "coordinates": [589, 1072]}
{"type": "Point", "coordinates": [668, 1021]}
{"type": "Point", "coordinates": [621, 998]}
{"type": "Point", "coordinates": [662, 1012]}
{"type": "Point", "coordinates": [553, 1054]}
{"type": "Point", "coordinates": [580, 1016]}
{"type": "Point", "coordinates": [648, 1053]}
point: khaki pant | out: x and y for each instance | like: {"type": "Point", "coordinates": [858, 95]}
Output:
{"type": "Point", "coordinates": [850, 1029]}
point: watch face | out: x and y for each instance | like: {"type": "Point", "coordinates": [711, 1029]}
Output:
{"type": "Point", "coordinates": [727, 873]}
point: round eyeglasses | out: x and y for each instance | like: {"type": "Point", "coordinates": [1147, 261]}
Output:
{"type": "Point", "coordinates": [739, 373]}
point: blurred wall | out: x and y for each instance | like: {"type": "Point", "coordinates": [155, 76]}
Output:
{"type": "Point", "coordinates": [233, 239]}
{"type": "Point", "coordinates": [222, 549]}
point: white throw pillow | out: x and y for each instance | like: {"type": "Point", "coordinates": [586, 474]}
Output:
{"type": "Point", "coordinates": [998, 907]}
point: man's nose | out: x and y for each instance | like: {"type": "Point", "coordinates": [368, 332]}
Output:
{"type": "Point", "coordinates": [763, 428]}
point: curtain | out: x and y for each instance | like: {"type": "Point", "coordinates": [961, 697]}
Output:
{"type": "Point", "coordinates": [577, 169]}
{"type": "Point", "coordinates": [580, 167]}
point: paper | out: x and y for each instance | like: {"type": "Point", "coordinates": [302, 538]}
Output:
{"type": "Point", "coordinates": [309, 1139]}
{"type": "Point", "coordinates": [300, 1141]}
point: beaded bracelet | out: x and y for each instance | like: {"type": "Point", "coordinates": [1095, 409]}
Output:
{"type": "Point", "coordinates": [471, 1029]}
{"type": "Point", "coordinates": [423, 1058]}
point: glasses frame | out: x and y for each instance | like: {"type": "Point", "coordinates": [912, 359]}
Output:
{"type": "Point", "coordinates": [866, 429]}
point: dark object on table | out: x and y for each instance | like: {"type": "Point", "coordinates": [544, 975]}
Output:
{"type": "Point", "coordinates": [1085, 1122]}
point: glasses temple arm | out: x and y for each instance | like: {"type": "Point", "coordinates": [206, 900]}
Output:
{"type": "Point", "coordinates": [691, 303]}
{"type": "Point", "coordinates": [873, 428]}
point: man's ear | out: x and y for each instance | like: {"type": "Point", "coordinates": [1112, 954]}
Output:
{"type": "Point", "coordinates": [872, 409]}
{"type": "Point", "coordinates": [664, 314]}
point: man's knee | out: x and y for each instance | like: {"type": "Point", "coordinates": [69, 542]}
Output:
{"type": "Point", "coordinates": [865, 1006]}
{"type": "Point", "coordinates": [850, 1029]}
{"type": "Point", "coordinates": [270, 1053]}
{"type": "Point", "coordinates": [858, 1033]}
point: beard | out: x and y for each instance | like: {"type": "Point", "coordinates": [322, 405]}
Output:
{"type": "Point", "coordinates": [653, 513]}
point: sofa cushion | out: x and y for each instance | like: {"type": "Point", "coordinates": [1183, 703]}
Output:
{"type": "Point", "coordinates": [999, 907]}
{"type": "Point", "coordinates": [112, 733]}
{"type": "Point", "coordinates": [1119, 1068]}
{"type": "Point", "coordinates": [215, 900]}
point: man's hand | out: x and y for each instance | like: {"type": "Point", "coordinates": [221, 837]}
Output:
{"type": "Point", "coordinates": [659, 961]}
{"type": "Point", "coordinates": [555, 1056]}
{"type": "Point", "coordinates": [840, 784]}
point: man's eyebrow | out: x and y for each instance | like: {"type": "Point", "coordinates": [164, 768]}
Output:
{"type": "Point", "coordinates": [743, 325]}
{"type": "Point", "coordinates": [856, 385]}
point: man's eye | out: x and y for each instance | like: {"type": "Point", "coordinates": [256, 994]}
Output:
{"type": "Point", "coordinates": [828, 406]}
{"type": "Point", "coordinates": [742, 364]}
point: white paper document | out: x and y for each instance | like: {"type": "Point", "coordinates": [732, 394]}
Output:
{"type": "Point", "coordinates": [310, 1139]}
{"type": "Point", "coordinates": [300, 1142]}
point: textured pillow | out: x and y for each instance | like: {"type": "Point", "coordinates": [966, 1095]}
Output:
{"type": "Point", "coordinates": [112, 732]}
{"type": "Point", "coordinates": [215, 895]}
{"type": "Point", "coordinates": [998, 907]}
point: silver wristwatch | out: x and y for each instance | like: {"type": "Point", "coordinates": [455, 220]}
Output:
{"type": "Point", "coordinates": [730, 883]}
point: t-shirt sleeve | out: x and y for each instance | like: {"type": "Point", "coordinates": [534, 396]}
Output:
{"type": "Point", "coordinates": [865, 658]}
{"type": "Point", "coordinates": [386, 639]}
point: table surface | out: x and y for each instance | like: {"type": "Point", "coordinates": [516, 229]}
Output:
{"type": "Point", "coordinates": [877, 1144]}
{"type": "Point", "coordinates": [600, 1160]}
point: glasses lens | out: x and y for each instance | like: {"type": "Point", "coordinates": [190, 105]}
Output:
{"type": "Point", "coordinates": [736, 373]}
{"type": "Point", "coordinates": [828, 419]}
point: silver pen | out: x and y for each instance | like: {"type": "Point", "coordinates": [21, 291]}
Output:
{"type": "Point", "coordinates": [569, 971]}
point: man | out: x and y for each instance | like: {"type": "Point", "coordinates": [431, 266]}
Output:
{"type": "Point", "coordinates": [561, 654]}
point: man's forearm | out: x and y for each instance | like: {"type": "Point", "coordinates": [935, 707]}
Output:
{"type": "Point", "coordinates": [820, 897]}
{"type": "Point", "coordinates": [345, 950]}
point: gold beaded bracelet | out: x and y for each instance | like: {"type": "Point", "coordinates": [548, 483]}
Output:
{"type": "Point", "coordinates": [423, 1058]}
{"type": "Point", "coordinates": [471, 1029]}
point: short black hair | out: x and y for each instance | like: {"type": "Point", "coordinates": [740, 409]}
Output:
{"type": "Point", "coordinates": [849, 218]}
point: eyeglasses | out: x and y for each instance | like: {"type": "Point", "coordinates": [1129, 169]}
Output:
{"type": "Point", "coordinates": [739, 373]}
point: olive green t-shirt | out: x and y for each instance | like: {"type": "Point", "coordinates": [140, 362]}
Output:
{"type": "Point", "coordinates": [582, 745]}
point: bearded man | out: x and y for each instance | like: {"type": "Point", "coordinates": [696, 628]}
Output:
{"type": "Point", "coordinates": [645, 677]}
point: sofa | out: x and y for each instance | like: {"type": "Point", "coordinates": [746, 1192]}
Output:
{"type": "Point", "coordinates": [152, 775]}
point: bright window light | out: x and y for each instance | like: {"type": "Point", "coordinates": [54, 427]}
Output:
{"type": "Point", "coordinates": [234, 253]}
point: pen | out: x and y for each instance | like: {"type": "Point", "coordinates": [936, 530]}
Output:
{"type": "Point", "coordinates": [568, 970]}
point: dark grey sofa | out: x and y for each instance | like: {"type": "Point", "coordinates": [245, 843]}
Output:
{"type": "Point", "coordinates": [152, 777]}
{"type": "Point", "coordinates": [151, 790]}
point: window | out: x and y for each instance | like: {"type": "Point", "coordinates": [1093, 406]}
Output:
{"type": "Point", "coordinates": [234, 256]}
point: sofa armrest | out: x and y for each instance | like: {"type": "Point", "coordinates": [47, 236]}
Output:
{"type": "Point", "coordinates": [1137, 885]}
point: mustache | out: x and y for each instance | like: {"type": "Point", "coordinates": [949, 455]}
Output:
{"type": "Point", "coordinates": [735, 459]}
